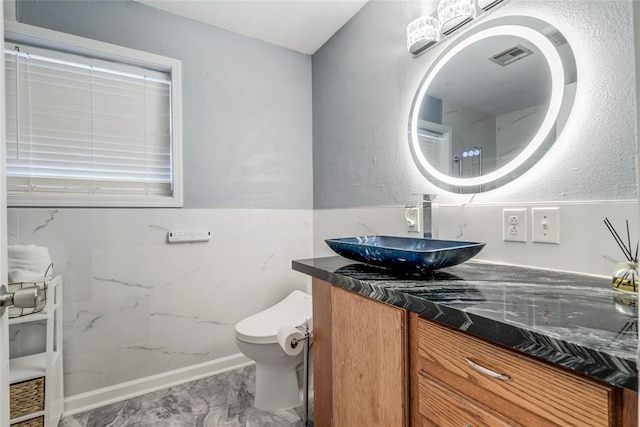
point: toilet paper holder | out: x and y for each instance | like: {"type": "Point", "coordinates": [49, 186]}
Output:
{"type": "Point", "coordinates": [304, 328]}
{"type": "Point", "coordinates": [308, 334]}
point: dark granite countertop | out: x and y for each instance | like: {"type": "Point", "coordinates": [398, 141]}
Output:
{"type": "Point", "coordinates": [572, 320]}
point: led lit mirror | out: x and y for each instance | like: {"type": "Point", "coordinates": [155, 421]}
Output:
{"type": "Point", "coordinates": [492, 104]}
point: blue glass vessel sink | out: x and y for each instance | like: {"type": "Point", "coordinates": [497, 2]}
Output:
{"type": "Point", "coordinates": [413, 255]}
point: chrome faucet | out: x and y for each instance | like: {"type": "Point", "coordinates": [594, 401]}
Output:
{"type": "Point", "coordinates": [427, 215]}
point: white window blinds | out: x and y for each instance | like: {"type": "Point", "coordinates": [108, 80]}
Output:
{"type": "Point", "coordinates": [83, 127]}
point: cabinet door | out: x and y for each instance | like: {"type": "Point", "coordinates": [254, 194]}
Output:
{"type": "Point", "coordinates": [369, 362]}
{"type": "Point", "coordinates": [322, 383]}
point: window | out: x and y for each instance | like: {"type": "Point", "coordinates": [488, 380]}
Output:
{"type": "Point", "coordinates": [89, 124]}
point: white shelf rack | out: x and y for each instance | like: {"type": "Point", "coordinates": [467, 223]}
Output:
{"type": "Point", "coordinates": [47, 364]}
{"type": "Point", "coordinates": [27, 368]}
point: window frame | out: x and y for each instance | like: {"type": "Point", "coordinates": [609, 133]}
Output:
{"type": "Point", "coordinates": [48, 39]}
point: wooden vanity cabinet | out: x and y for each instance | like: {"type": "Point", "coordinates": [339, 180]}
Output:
{"type": "Point", "coordinates": [360, 360]}
{"type": "Point", "coordinates": [378, 365]}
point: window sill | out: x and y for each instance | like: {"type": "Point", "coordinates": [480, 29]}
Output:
{"type": "Point", "coordinates": [91, 201]}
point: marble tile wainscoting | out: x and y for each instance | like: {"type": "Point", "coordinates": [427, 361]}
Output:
{"type": "Point", "coordinates": [586, 245]}
{"type": "Point", "coordinates": [224, 400]}
{"type": "Point", "coordinates": [136, 306]}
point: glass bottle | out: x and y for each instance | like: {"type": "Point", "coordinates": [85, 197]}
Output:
{"type": "Point", "coordinates": [626, 276]}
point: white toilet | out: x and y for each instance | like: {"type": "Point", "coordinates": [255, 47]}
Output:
{"type": "Point", "coordinates": [256, 337]}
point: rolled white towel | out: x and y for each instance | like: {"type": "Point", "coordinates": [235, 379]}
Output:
{"type": "Point", "coordinates": [18, 275]}
{"type": "Point", "coordinates": [28, 263]}
{"type": "Point", "coordinates": [27, 252]}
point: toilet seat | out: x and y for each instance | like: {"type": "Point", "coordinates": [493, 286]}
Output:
{"type": "Point", "coordinates": [262, 327]}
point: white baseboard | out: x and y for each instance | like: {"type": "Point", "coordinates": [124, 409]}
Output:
{"type": "Point", "coordinates": [104, 396]}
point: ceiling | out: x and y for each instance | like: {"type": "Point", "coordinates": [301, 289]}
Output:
{"type": "Point", "coordinates": [470, 79]}
{"type": "Point", "coordinates": [300, 25]}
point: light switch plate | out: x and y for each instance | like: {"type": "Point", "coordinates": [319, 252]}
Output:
{"type": "Point", "coordinates": [545, 225]}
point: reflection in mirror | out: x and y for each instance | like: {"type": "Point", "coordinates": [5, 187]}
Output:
{"type": "Point", "coordinates": [491, 106]}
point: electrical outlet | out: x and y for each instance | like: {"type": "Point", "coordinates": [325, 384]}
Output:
{"type": "Point", "coordinates": [514, 225]}
{"type": "Point", "coordinates": [545, 225]}
{"type": "Point", "coordinates": [413, 216]}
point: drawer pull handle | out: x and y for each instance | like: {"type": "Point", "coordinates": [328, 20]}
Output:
{"type": "Point", "coordinates": [486, 371]}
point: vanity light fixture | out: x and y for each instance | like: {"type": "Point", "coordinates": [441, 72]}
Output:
{"type": "Point", "coordinates": [422, 33]}
{"type": "Point", "coordinates": [475, 151]}
{"type": "Point", "coordinates": [453, 14]}
{"type": "Point", "coordinates": [426, 31]}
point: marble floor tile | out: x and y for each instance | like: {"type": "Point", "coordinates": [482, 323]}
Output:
{"type": "Point", "coordinates": [224, 400]}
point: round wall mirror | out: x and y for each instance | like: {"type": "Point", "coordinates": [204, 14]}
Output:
{"type": "Point", "coordinates": [492, 104]}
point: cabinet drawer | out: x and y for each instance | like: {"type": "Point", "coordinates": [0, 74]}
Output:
{"type": "Point", "coordinates": [26, 397]}
{"type": "Point", "coordinates": [442, 407]}
{"type": "Point", "coordinates": [533, 394]}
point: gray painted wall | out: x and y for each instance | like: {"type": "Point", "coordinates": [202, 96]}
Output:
{"type": "Point", "coordinates": [246, 104]}
{"type": "Point", "coordinates": [363, 85]}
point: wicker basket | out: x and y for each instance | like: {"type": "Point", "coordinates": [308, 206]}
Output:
{"type": "Point", "coordinates": [26, 398]}
{"type": "Point", "coordinates": [33, 422]}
